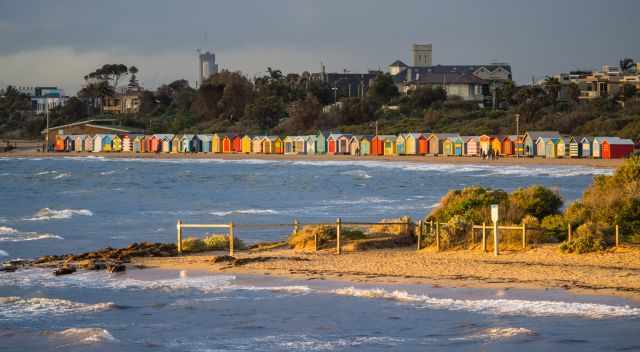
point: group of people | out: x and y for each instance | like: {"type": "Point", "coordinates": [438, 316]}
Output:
{"type": "Point", "coordinates": [489, 155]}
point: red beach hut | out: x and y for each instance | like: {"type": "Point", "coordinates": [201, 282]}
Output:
{"type": "Point", "coordinates": [423, 145]}
{"type": "Point", "coordinates": [616, 148]}
{"type": "Point", "coordinates": [237, 144]}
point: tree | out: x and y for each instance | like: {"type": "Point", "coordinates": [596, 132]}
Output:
{"type": "Point", "coordinates": [264, 113]}
{"type": "Point", "coordinates": [109, 73]}
{"type": "Point", "coordinates": [303, 115]}
{"type": "Point", "coordinates": [530, 100]}
{"type": "Point", "coordinates": [628, 91]}
{"type": "Point", "coordinates": [383, 89]}
{"type": "Point", "coordinates": [354, 111]}
{"type": "Point", "coordinates": [424, 97]}
{"type": "Point", "coordinates": [322, 91]}
{"type": "Point", "coordinates": [552, 87]}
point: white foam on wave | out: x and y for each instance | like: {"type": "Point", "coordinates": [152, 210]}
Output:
{"type": "Point", "coordinates": [245, 212]}
{"type": "Point", "coordinates": [312, 343]}
{"type": "Point", "coordinates": [52, 214]}
{"type": "Point", "coordinates": [494, 334]}
{"type": "Point", "coordinates": [104, 280]}
{"type": "Point", "coordinates": [21, 308]}
{"type": "Point", "coordinates": [84, 336]}
{"type": "Point", "coordinates": [499, 306]}
{"type": "Point", "coordinates": [3, 253]}
{"type": "Point", "coordinates": [4, 230]}
{"type": "Point", "coordinates": [357, 174]}
{"type": "Point", "coordinates": [9, 234]}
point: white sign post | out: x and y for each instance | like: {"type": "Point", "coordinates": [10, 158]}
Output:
{"type": "Point", "coordinates": [494, 218]}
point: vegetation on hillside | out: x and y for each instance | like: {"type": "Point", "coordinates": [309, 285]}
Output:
{"type": "Point", "coordinates": [293, 104]}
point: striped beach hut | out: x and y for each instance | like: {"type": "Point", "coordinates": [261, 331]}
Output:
{"type": "Point", "coordinates": [471, 145]}
{"type": "Point", "coordinates": [205, 140]}
{"type": "Point", "coordinates": [246, 144]}
{"type": "Point", "coordinates": [575, 147]}
{"type": "Point", "coordinates": [256, 144]}
{"type": "Point", "coordinates": [88, 143]}
{"type": "Point", "coordinates": [401, 143]}
{"type": "Point", "coordinates": [519, 145]}
{"type": "Point", "coordinates": [127, 143]}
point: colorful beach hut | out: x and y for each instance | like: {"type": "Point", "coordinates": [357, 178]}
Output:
{"type": "Point", "coordinates": [107, 141]}
{"type": "Point", "coordinates": [365, 145]}
{"type": "Point", "coordinates": [377, 144]}
{"type": "Point", "coordinates": [165, 142]}
{"type": "Point", "coordinates": [472, 145]}
{"type": "Point", "coordinates": [97, 143]}
{"type": "Point", "coordinates": [59, 144]}
{"type": "Point", "coordinates": [575, 147]}
{"type": "Point", "coordinates": [256, 144]}
{"type": "Point", "coordinates": [176, 144]}
{"type": "Point", "coordinates": [127, 143]}
{"type": "Point", "coordinates": [321, 142]}
{"type": "Point", "coordinates": [79, 142]}
{"type": "Point", "coordinates": [390, 146]}
{"type": "Point", "coordinates": [312, 142]}
{"type": "Point", "coordinates": [228, 143]}
{"type": "Point", "coordinates": [447, 146]}
{"type": "Point", "coordinates": [562, 147]}
{"type": "Point", "coordinates": [354, 145]}
{"type": "Point", "coordinates": [116, 143]}
{"type": "Point", "coordinates": [508, 144]}
{"type": "Point", "coordinates": [289, 145]}
{"type": "Point", "coordinates": [237, 143]}
{"type": "Point", "coordinates": [485, 144]}
{"type": "Point", "coordinates": [436, 142]}
{"type": "Point", "coordinates": [596, 147]}
{"type": "Point", "coordinates": [332, 143]}
{"type": "Point", "coordinates": [412, 143]}
{"type": "Point", "coordinates": [586, 145]}
{"type": "Point", "coordinates": [540, 147]}
{"type": "Point", "coordinates": [400, 144]}
{"type": "Point", "coordinates": [205, 140]}
{"type": "Point", "coordinates": [216, 143]}
{"type": "Point", "coordinates": [246, 144]}
{"type": "Point", "coordinates": [551, 148]}
{"type": "Point", "coordinates": [138, 144]}
{"type": "Point", "coordinates": [300, 145]}
{"type": "Point", "coordinates": [185, 143]}
{"type": "Point", "coordinates": [88, 143]}
{"type": "Point", "coordinates": [496, 145]}
{"type": "Point", "coordinates": [616, 148]}
{"type": "Point", "coordinates": [458, 146]}
{"type": "Point", "coordinates": [531, 147]}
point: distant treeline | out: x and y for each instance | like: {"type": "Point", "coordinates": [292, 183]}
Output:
{"type": "Point", "coordinates": [293, 104]}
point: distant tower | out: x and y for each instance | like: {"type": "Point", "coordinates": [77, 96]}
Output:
{"type": "Point", "coordinates": [422, 55]}
{"type": "Point", "coordinates": [207, 65]}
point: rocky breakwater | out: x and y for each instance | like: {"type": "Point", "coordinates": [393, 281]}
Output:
{"type": "Point", "coordinates": [110, 259]}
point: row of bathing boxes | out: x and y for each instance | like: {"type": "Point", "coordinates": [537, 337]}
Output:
{"type": "Point", "coordinates": [547, 144]}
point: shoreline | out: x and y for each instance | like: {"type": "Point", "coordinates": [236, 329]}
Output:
{"type": "Point", "coordinates": [612, 273]}
{"type": "Point", "coordinates": [506, 161]}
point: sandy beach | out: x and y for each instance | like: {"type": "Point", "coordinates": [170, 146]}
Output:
{"type": "Point", "coordinates": [601, 163]}
{"type": "Point", "coordinates": [611, 273]}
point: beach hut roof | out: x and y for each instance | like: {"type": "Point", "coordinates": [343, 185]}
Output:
{"type": "Point", "coordinates": [188, 136]}
{"type": "Point", "coordinates": [255, 138]}
{"type": "Point", "coordinates": [545, 134]}
{"type": "Point", "coordinates": [469, 138]}
{"type": "Point", "coordinates": [444, 135]}
{"type": "Point", "coordinates": [619, 141]}
{"type": "Point", "coordinates": [164, 136]}
{"type": "Point", "coordinates": [272, 138]}
{"type": "Point", "coordinates": [205, 137]}
{"type": "Point", "coordinates": [414, 135]}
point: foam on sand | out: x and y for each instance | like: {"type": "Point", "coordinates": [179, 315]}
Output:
{"type": "Point", "coordinates": [499, 306]}
{"type": "Point", "coordinates": [52, 214]}
{"type": "Point", "coordinates": [12, 308]}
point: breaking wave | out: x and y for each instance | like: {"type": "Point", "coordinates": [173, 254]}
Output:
{"type": "Point", "coordinates": [357, 173]}
{"type": "Point", "coordinates": [12, 308]}
{"type": "Point", "coordinates": [245, 212]}
{"type": "Point", "coordinates": [3, 253]}
{"type": "Point", "coordinates": [51, 214]}
{"type": "Point", "coordinates": [9, 234]}
{"type": "Point", "coordinates": [499, 306]}
{"type": "Point", "coordinates": [493, 334]}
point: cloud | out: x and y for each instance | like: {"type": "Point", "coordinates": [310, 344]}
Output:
{"type": "Point", "coordinates": [65, 67]}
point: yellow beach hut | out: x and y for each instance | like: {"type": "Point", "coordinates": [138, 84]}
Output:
{"type": "Point", "coordinates": [116, 144]}
{"type": "Point", "coordinates": [216, 143]}
{"type": "Point", "coordinates": [447, 147]}
{"type": "Point", "coordinates": [256, 144]}
{"type": "Point", "coordinates": [563, 147]}
{"type": "Point", "coordinates": [389, 145]}
{"type": "Point", "coordinates": [246, 144]}
{"type": "Point", "coordinates": [412, 143]}
{"type": "Point", "coordinates": [496, 145]}
{"type": "Point", "coordinates": [176, 144]}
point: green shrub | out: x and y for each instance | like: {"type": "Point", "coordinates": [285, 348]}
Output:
{"type": "Point", "coordinates": [537, 201]}
{"type": "Point", "coordinates": [193, 245]}
{"type": "Point", "coordinates": [554, 228]}
{"type": "Point", "coordinates": [455, 232]}
{"type": "Point", "coordinates": [589, 237]}
{"type": "Point", "coordinates": [210, 243]}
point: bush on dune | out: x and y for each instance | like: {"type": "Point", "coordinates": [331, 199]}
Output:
{"type": "Point", "coordinates": [209, 243]}
{"type": "Point", "coordinates": [590, 237]}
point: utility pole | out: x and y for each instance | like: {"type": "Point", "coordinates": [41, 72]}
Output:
{"type": "Point", "coordinates": [376, 127]}
{"type": "Point", "coordinates": [518, 135]}
{"type": "Point", "coordinates": [46, 102]}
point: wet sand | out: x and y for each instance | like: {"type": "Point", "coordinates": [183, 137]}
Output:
{"type": "Point", "coordinates": [616, 272]}
{"type": "Point", "coordinates": [611, 163]}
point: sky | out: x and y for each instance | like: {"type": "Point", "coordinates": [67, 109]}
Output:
{"type": "Point", "coordinates": [58, 42]}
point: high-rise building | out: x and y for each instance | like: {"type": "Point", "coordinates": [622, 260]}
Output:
{"type": "Point", "coordinates": [207, 65]}
{"type": "Point", "coordinates": [422, 55]}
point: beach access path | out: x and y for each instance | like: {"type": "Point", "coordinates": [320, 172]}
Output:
{"type": "Point", "coordinates": [615, 272]}
{"type": "Point", "coordinates": [604, 163]}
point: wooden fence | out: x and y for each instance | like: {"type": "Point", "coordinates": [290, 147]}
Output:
{"type": "Point", "coordinates": [295, 226]}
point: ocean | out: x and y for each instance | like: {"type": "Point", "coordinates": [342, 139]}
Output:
{"type": "Point", "coordinates": [65, 205]}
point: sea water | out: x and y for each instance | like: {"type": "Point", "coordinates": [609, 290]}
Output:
{"type": "Point", "coordinates": [74, 205]}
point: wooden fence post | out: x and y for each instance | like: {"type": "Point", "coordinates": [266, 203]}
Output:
{"type": "Point", "coordinates": [231, 239]}
{"type": "Point", "coordinates": [296, 226]}
{"type": "Point", "coordinates": [524, 235]}
{"type": "Point", "coordinates": [431, 226]}
{"type": "Point", "coordinates": [496, 241]}
{"type": "Point", "coordinates": [419, 233]}
{"type": "Point", "coordinates": [617, 235]}
{"type": "Point", "coordinates": [338, 230]}
{"type": "Point", "coordinates": [569, 232]}
{"type": "Point", "coordinates": [484, 237]}
{"type": "Point", "coordinates": [179, 244]}
{"type": "Point", "coordinates": [437, 235]}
